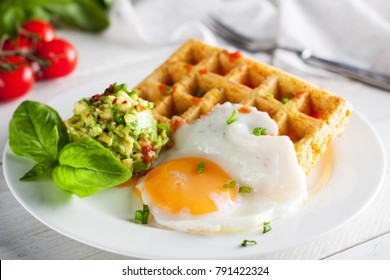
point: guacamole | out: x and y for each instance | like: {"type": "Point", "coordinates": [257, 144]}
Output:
{"type": "Point", "coordinates": [123, 123]}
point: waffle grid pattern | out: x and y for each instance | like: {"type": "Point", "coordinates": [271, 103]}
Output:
{"type": "Point", "coordinates": [198, 76]}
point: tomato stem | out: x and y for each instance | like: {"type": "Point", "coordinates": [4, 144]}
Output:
{"type": "Point", "coordinates": [44, 63]}
{"type": "Point", "coordinates": [30, 55]}
{"type": "Point", "coordinates": [2, 41]}
{"type": "Point", "coordinates": [8, 67]}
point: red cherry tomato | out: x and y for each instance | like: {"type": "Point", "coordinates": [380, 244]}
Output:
{"type": "Point", "coordinates": [15, 82]}
{"type": "Point", "coordinates": [62, 58]}
{"type": "Point", "coordinates": [20, 43]}
{"type": "Point", "coordinates": [44, 30]}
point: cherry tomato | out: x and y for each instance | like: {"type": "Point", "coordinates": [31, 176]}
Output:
{"type": "Point", "coordinates": [17, 81]}
{"type": "Point", "coordinates": [44, 30]}
{"type": "Point", "coordinates": [20, 43]}
{"type": "Point", "coordinates": [62, 58]}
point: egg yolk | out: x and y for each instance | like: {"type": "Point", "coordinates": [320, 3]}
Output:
{"type": "Point", "coordinates": [178, 185]}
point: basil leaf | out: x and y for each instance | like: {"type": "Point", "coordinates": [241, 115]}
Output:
{"type": "Point", "coordinates": [11, 18]}
{"type": "Point", "coordinates": [105, 3]}
{"type": "Point", "coordinates": [88, 15]}
{"type": "Point", "coordinates": [83, 14]}
{"type": "Point", "coordinates": [39, 170]}
{"type": "Point", "coordinates": [86, 167]}
{"type": "Point", "coordinates": [37, 131]}
{"type": "Point", "coordinates": [53, 140]}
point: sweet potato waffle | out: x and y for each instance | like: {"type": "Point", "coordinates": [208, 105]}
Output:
{"type": "Point", "coordinates": [198, 76]}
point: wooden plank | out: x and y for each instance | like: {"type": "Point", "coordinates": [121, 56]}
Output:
{"type": "Point", "coordinates": [378, 248]}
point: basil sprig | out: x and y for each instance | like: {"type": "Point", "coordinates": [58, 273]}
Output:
{"type": "Point", "coordinates": [82, 167]}
{"type": "Point", "coordinates": [87, 15]}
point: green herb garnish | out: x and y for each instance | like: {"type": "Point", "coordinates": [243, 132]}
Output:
{"type": "Point", "coordinates": [199, 92]}
{"type": "Point", "coordinates": [142, 216]}
{"type": "Point", "coordinates": [133, 91]}
{"type": "Point", "coordinates": [201, 166]}
{"type": "Point", "coordinates": [234, 116]}
{"type": "Point", "coordinates": [258, 131]}
{"type": "Point", "coordinates": [246, 243]}
{"type": "Point", "coordinates": [285, 100]}
{"type": "Point", "coordinates": [244, 189]}
{"type": "Point", "coordinates": [269, 96]}
{"type": "Point", "coordinates": [230, 184]}
{"type": "Point", "coordinates": [119, 87]}
{"type": "Point", "coordinates": [168, 90]}
{"type": "Point", "coordinates": [266, 227]}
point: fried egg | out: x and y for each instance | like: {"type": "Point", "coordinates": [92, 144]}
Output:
{"type": "Point", "coordinates": [223, 175]}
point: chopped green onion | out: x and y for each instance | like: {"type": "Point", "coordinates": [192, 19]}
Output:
{"type": "Point", "coordinates": [230, 184]}
{"type": "Point", "coordinates": [115, 88]}
{"type": "Point", "coordinates": [266, 227]}
{"type": "Point", "coordinates": [287, 98]}
{"type": "Point", "coordinates": [142, 216]}
{"type": "Point", "coordinates": [139, 215]}
{"type": "Point", "coordinates": [199, 92]}
{"type": "Point", "coordinates": [244, 189]}
{"type": "Point", "coordinates": [248, 243]}
{"type": "Point", "coordinates": [118, 88]}
{"type": "Point", "coordinates": [234, 116]}
{"type": "Point", "coordinates": [259, 131]}
{"type": "Point", "coordinates": [201, 166]}
{"type": "Point", "coordinates": [168, 90]}
{"type": "Point", "coordinates": [269, 95]}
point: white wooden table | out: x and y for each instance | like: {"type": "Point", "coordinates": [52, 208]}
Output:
{"type": "Point", "coordinates": [367, 236]}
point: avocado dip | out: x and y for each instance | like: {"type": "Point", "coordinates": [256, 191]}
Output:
{"type": "Point", "coordinates": [123, 123]}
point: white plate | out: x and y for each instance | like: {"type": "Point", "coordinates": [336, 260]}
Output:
{"type": "Point", "coordinates": [348, 176]}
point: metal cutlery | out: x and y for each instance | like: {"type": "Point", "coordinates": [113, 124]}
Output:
{"type": "Point", "coordinates": [269, 45]}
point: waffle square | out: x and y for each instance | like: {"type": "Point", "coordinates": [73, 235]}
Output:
{"type": "Point", "coordinates": [197, 77]}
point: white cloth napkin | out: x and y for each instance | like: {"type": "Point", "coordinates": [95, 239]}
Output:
{"type": "Point", "coordinates": [352, 31]}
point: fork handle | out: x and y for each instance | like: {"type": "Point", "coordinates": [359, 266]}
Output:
{"type": "Point", "coordinates": [365, 76]}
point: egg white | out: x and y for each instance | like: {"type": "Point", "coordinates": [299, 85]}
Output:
{"type": "Point", "coordinates": [266, 163]}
